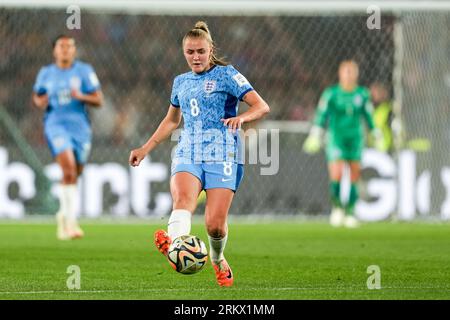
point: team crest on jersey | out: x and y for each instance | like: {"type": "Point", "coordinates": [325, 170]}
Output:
{"type": "Point", "coordinates": [210, 86]}
{"type": "Point", "coordinates": [357, 100]}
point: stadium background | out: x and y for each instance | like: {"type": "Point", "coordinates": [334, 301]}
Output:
{"type": "Point", "coordinates": [289, 51]}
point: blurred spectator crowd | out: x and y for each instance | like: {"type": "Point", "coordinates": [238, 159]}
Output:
{"type": "Point", "coordinates": [289, 61]}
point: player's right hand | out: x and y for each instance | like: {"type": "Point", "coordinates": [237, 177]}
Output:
{"type": "Point", "coordinates": [136, 157]}
{"type": "Point", "coordinates": [312, 144]}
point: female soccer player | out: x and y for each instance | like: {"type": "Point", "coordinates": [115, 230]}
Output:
{"type": "Point", "coordinates": [62, 90]}
{"type": "Point", "coordinates": [344, 106]}
{"type": "Point", "coordinates": [207, 156]}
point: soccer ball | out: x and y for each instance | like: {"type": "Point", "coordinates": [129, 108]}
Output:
{"type": "Point", "coordinates": [187, 254]}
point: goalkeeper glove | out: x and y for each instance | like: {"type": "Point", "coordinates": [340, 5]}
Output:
{"type": "Point", "coordinates": [313, 142]}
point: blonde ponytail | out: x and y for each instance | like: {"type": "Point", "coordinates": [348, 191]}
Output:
{"type": "Point", "coordinates": [202, 26]}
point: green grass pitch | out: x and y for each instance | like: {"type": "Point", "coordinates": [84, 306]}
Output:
{"type": "Point", "coordinates": [276, 260]}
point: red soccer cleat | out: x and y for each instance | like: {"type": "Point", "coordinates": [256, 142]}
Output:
{"type": "Point", "coordinates": [162, 241]}
{"type": "Point", "coordinates": [224, 275]}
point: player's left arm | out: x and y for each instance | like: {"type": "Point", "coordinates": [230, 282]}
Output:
{"type": "Point", "coordinates": [258, 108]}
{"type": "Point", "coordinates": [90, 92]}
{"type": "Point", "coordinates": [239, 87]}
{"type": "Point", "coordinates": [94, 99]}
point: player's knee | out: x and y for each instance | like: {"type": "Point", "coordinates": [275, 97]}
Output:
{"type": "Point", "coordinates": [354, 176]}
{"type": "Point", "coordinates": [70, 175]}
{"type": "Point", "coordinates": [217, 232]}
{"type": "Point", "coordinates": [335, 175]}
{"type": "Point", "coordinates": [216, 229]}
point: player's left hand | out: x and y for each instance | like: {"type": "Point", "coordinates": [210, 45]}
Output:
{"type": "Point", "coordinates": [233, 124]}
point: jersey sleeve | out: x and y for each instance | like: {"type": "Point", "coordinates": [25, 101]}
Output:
{"type": "Point", "coordinates": [174, 101]}
{"type": "Point", "coordinates": [237, 84]}
{"type": "Point", "coordinates": [323, 109]}
{"type": "Point", "coordinates": [39, 86]}
{"type": "Point", "coordinates": [368, 111]}
{"type": "Point", "coordinates": [90, 82]}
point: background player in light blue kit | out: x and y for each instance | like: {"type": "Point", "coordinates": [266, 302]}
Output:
{"type": "Point", "coordinates": [62, 90]}
{"type": "Point", "coordinates": [207, 156]}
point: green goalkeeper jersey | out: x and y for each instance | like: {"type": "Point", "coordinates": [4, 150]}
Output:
{"type": "Point", "coordinates": [344, 111]}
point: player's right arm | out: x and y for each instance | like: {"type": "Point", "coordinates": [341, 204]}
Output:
{"type": "Point", "coordinates": [166, 127]}
{"type": "Point", "coordinates": [313, 141]}
{"type": "Point", "coordinates": [40, 96]}
{"type": "Point", "coordinates": [323, 109]}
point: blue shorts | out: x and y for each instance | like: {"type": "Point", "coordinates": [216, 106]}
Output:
{"type": "Point", "coordinates": [60, 139]}
{"type": "Point", "coordinates": [226, 175]}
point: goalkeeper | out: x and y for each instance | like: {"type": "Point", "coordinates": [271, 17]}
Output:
{"type": "Point", "coordinates": [343, 107]}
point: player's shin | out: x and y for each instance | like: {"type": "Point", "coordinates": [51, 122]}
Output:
{"type": "Point", "coordinates": [353, 198]}
{"type": "Point", "coordinates": [70, 192]}
{"type": "Point", "coordinates": [61, 215]}
{"type": "Point", "coordinates": [337, 212]}
{"type": "Point", "coordinates": [62, 202]}
{"type": "Point", "coordinates": [335, 193]}
{"type": "Point", "coordinates": [179, 223]}
{"type": "Point", "coordinates": [216, 248]}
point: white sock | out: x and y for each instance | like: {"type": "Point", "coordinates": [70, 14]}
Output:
{"type": "Point", "coordinates": [216, 248]}
{"type": "Point", "coordinates": [69, 195]}
{"type": "Point", "coordinates": [63, 205]}
{"type": "Point", "coordinates": [179, 223]}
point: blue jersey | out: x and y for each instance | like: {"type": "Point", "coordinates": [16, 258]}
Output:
{"type": "Point", "coordinates": [205, 99]}
{"type": "Point", "coordinates": [57, 83]}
